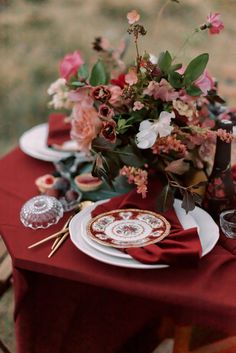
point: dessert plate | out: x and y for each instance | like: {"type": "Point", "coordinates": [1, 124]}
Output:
{"type": "Point", "coordinates": [34, 143]}
{"type": "Point", "coordinates": [187, 222]}
{"type": "Point", "coordinates": [128, 228]}
{"type": "Point", "coordinates": [207, 229]}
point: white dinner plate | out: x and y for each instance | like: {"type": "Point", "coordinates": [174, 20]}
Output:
{"type": "Point", "coordinates": [34, 143]}
{"type": "Point", "coordinates": [207, 229]}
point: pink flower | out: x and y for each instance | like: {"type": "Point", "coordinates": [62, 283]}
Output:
{"type": "Point", "coordinates": [70, 65]}
{"type": "Point", "coordinates": [138, 105]}
{"type": "Point", "coordinates": [81, 97]}
{"type": "Point", "coordinates": [116, 95]}
{"type": "Point", "coordinates": [162, 90]}
{"type": "Point", "coordinates": [215, 25]}
{"type": "Point", "coordinates": [205, 82]}
{"type": "Point", "coordinates": [133, 16]}
{"type": "Point", "coordinates": [131, 78]}
{"type": "Point", "coordinates": [86, 128]}
{"type": "Point", "coordinates": [137, 176]}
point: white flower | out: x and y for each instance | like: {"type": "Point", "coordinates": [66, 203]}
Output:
{"type": "Point", "coordinates": [59, 92]}
{"type": "Point", "coordinates": [148, 131]}
{"type": "Point", "coordinates": [56, 86]}
{"type": "Point", "coordinates": [153, 58]}
{"type": "Point", "coordinates": [162, 126]}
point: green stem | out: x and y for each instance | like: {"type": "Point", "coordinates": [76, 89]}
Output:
{"type": "Point", "coordinates": [187, 40]}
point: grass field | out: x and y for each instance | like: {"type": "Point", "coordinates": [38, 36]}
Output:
{"type": "Point", "coordinates": [35, 34]}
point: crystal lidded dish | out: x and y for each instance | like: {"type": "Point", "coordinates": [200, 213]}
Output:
{"type": "Point", "coordinates": [41, 212]}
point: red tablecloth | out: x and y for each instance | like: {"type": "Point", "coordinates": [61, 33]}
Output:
{"type": "Point", "coordinates": [72, 303]}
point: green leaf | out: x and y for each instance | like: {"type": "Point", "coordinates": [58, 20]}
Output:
{"type": "Point", "coordinates": [98, 74]}
{"type": "Point", "coordinates": [131, 156]}
{"type": "Point", "coordinates": [175, 79]}
{"type": "Point", "coordinates": [100, 144]}
{"type": "Point", "coordinates": [164, 61]}
{"type": "Point", "coordinates": [77, 84]}
{"type": "Point", "coordinates": [165, 199]}
{"type": "Point", "coordinates": [122, 126]}
{"type": "Point", "coordinates": [176, 67]}
{"type": "Point", "coordinates": [193, 91]}
{"type": "Point", "coordinates": [83, 72]}
{"type": "Point", "coordinates": [195, 68]}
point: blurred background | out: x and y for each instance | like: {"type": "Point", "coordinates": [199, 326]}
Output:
{"type": "Point", "coordinates": [36, 34]}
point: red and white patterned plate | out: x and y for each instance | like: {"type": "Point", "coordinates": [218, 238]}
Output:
{"type": "Point", "coordinates": [126, 228]}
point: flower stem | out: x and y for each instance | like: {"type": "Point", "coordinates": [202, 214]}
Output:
{"type": "Point", "coordinates": [187, 40]}
{"type": "Point", "coordinates": [137, 52]}
{"type": "Point", "coordinates": [160, 13]}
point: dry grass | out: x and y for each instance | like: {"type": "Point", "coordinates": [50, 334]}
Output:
{"type": "Point", "coordinates": [35, 34]}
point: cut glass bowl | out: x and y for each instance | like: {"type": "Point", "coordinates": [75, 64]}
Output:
{"type": "Point", "coordinates": [41, 212]}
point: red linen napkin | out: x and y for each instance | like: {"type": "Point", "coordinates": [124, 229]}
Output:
{"type": "Point", "coordinates": [58, 130]}
{"type": "Point", "coordinates": [179, 247]}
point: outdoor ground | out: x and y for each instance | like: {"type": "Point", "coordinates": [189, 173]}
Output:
{"type": "Point", "coordinates": [36, 34]}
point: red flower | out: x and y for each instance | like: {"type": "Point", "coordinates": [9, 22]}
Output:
{"type": "Point", "coordinates": [105, 112]}
{"type": "Point", "coordinates": [108, 130]}
{"type": "Point", "coordinates": [120, 81]}
{"type": "Point", "coordinates": [101, 93]}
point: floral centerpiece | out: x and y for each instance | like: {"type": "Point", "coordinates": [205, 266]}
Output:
{"type": "Point", "coordinates": [154, 117]}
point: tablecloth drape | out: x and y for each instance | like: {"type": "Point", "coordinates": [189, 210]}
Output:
{"type": "Point", "coordinates": [47, 290]}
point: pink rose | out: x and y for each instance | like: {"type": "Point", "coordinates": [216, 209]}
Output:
{"type": "Point", "coordinates": [215, 25]}
{"type": "Point", "coordinates": [86, 128]}
{"type": "Point", "coordinates": [133, 16]}
{"type": "Point", "coordinates": [70, 64]}
{"type": "Point", "coordinates": [81, 97]}
{"type": "Point", "coordinates": [205, 82]}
